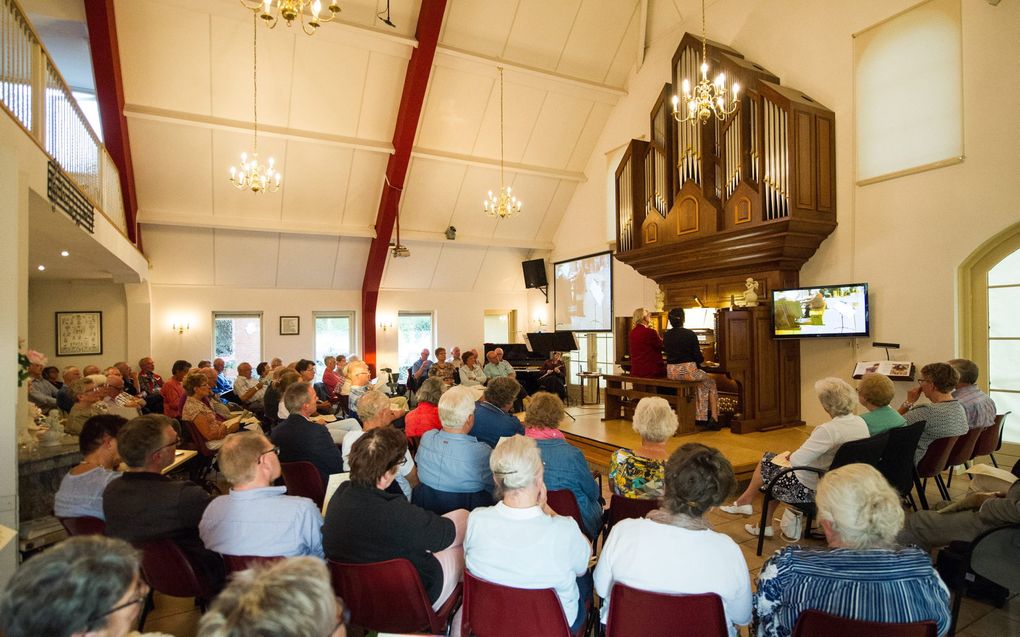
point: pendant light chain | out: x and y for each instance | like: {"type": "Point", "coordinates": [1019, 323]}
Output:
{"type": "Point", "coordinates": [255, 76]}
{"type": "Point", "coordinates": [501, 183]}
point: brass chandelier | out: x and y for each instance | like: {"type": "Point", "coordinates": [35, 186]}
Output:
{"type": "Point", "coordinates": [253, 174]}
{"type": "Point", "coordinates": [308, 13]}
{"type": "Point", "coordinates": [709, 98]}
{"type": "Point", "coordinates": [505, 204]}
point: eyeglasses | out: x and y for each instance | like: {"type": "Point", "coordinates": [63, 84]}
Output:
{"type": "Point", "coordinates": [275, 450]}
{"type": "Point", "coordinates": [143, 594]}
{"type": "Point", "coordinates": [176, 441]}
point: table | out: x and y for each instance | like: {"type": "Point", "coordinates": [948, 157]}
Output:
{"type": "Point", "coordinates": [586, 384]}
{"type": "Point", "coordinates": [183, 455]}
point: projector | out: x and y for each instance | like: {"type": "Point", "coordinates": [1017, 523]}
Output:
{"type": "Point", "coordinates": [401, 251]}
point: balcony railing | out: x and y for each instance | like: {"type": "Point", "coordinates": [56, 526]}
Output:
{"type": "Point", "coordinates": [35, 95]}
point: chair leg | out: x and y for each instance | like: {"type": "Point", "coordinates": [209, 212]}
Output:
{"type": "Point", "coordinates": [940, 483]}
{"type": "Point", "coordinates": [949, 480]}
{"type": "Point", "coordinates": [761, 523]}
{"type": "Point", "coordinates": [919, 486]}
{"type": "Point", "coordinates": [992, 456]}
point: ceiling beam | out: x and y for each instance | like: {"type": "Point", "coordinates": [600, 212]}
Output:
{"type": "Point", "coordinates": [416, 81]}
{"type": "Point", "coordinates": [102, 25]}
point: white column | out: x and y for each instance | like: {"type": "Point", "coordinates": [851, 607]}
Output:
{"type": "Point", "coordinates": [138, 298]}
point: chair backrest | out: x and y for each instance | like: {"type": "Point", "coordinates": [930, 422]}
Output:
{"type": "Point", "coordinates": [303, 479]}
{"type": "Point", "coordinates": [897, 463]}
{"type": "Point", "coordinates": [493, 610]}
{"type": "Point", "coordinates": [84, 525]}
{"type": "Point", "coordinates": [865, 451]}
{"type": "Point", "coordinates": [244, 562]}
{"type": "Point", "coordinates": [442, 502]}
{"type": "Point", "coordinates": [963, 448]}
{"type": "Point", "coordinates": [168, 570]}
{"type": "Point", "coordinates": [637, 612]}
{"type": "Point", "coordinates": [412, 445]}
{"type": "Point", "coordinates": [815, 622]}
{"type": "Point", "coordinates": [345, 403]}
{"type": "Point", "coordinates": [385, 596]}
{"type": "Point", "coordinates": [622, 508]}
{"type": "Point", "coordinates": [934, 459]}
{"type": "Point", "coordinates": [991, 437]}
{"type": "Point", "coordinates": [995, 554]}
{"type": "Point", "coordinates": [198, 439]}
{"type": "Point", "coordinates": [563, 502]}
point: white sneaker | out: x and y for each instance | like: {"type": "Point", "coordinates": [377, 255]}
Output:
{"type": "Point", "coordinates": [737, 509]}
{"type": "Point", "coordinates": [753, 530]}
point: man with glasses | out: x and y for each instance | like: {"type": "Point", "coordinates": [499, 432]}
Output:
{"type": "Point", "coordinates": [258, 518]}
{"type": "Point", "coordinates": [143, 504]}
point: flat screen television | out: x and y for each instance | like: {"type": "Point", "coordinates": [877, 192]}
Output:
{"type": "Point", "coordinates": [825, 311]}
{"type": "Point", "coordinates": [584, 293]}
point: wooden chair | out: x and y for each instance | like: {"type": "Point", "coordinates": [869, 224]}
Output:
{"type": "Point", "coordinates": [389, 597]}
{"type": "Point", "coordinates": [237, 563]}
{"type": "Point", "coordinates": [637, 612]}
{"type": "Point", "coordinates": [897, 463]}
{"type": "Point", "coordinates": [622, 508]}
{"type": "Point", "coordinates": [931, 465]}
{"type": "Point", "coordinates": [815, 622]}
{"type": "Point", "coordinates": [303, 479]}
{"type": "Point", "coordinates": [991, 439]}
{"type": "Point", "coordinates": [84, 525]}
{"type": "Point", "coordinates": [494, 610]}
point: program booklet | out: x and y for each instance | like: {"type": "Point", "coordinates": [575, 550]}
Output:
{"type": "Point", "coordinates": [895, 370]}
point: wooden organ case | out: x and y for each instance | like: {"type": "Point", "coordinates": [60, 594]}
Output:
{"type": "Point", "coordinates": [702, 207]}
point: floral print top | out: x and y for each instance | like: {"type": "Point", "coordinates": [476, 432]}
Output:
{"type": "Point", "coordinates": [634, 476]}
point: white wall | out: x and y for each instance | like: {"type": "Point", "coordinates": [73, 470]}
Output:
{"type": "Point", "coordinates": [906, 236]}
{"type": "Point", "coordinates": [47, 297]}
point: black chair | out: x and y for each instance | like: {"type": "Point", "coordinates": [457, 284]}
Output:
{"type": "Point", "coordinates": [991, 558]}
{"type": "Point", "coordinates": [442, 502]}
{"type": "Point", "coordinates": [864, 451]}
{"type": "Point", "coordinates": [897, 463]}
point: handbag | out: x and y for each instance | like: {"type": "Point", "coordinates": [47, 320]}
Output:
{"type": "Point", "coordinates": [791, 525]}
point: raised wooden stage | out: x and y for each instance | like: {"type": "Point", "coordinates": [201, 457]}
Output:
{"type": "Point", "coordinates": [598, 440]}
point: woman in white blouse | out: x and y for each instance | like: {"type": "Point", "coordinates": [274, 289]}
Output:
{"type": "Point", "coordinates": [471, 374]}
{"type": "Point", "coordinates": [81, 491]}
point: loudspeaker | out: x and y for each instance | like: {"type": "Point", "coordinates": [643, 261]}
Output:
{"type": "Point", "coordinates": [534, 273]}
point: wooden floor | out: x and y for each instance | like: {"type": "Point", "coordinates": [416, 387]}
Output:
{"type": "Point", "coordinates": [598, 440]}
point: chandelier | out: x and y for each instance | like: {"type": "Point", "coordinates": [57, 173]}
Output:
{"type": "Point", "coordinates": [503, 204]}
{"type": "Point", "coordinates": [709, 98]}
{"type": "Point", "coordinates": [272, 10]}
{"type": "Point", "coordinates": [253, 174]}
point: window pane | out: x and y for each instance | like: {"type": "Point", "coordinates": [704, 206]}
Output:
{"type": "Point", "coordinates": [332, 338]}
{"type": "Point", "coordinates": [414, 333]}
{"type": "Point", "coordinates": [1006, 272]}
{"type": "Point", "coordinates": [1003, 310]}
{"type": "Point", "coordinates": [1003, 372]}
{"type": "Point", "coordinates": [1008, 402]}
{"type": "Point", "coordinates": [237, 339]}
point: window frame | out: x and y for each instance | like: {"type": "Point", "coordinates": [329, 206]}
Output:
{"type": "Point", "coordinates": [217, 314]}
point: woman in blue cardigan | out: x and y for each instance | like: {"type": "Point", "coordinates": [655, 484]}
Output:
{"type": "Point", "coordinates": [565, 466]}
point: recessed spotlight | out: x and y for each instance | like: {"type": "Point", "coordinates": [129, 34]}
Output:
{"type": "Point", "coordinates": [42, 267]}
{"type": "Point", "coordinates": [65, 253]}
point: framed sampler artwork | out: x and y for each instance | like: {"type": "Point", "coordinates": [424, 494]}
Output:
{"type": "Point", "coordinates": [290, 325]}
{"type": "Point", "coordinates": [79, 333]}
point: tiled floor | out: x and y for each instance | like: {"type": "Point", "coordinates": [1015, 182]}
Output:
{"type": "Point", "coordinates": [179, 617]}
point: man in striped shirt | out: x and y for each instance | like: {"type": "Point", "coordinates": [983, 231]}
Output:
{"type": "Point", "coordinates": [979, 407]}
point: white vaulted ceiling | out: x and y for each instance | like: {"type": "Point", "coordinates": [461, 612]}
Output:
{"type": "Point", "coordinates": [327, 109]}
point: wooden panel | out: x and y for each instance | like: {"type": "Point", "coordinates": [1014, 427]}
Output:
{"type": "Point", "coordinates": [804, 140]}
{"type": "Point", "coordinates": [742, 212]}
{"type": "Point", "coordinates": [766, 363]}
{"type": "Point", "coordinates": [687, 216]}
{"type": "Point", "coordinates": [651, 233]}
{"type": "Point", "coordinates": [789, 372]}
{"type": "Point", "coordinates": [826, 167]}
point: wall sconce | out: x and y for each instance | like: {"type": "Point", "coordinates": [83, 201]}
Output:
{"type": "Point", "coordinates": [180, 326]}
{"type": "Point", "coordinates": [539, 320]}
{"type": "Point", "coordinates": [385, 325]}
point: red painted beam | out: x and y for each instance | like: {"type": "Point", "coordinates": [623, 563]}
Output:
{"type": "Point", "coordinates": [419, 67]}
{"type": "Point", "coordinates": [102, 25]}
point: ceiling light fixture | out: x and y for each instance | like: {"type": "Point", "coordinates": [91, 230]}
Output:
{"type": "Point", "coordinates": [709, 98]}
{"type": "Point", "coordinates": [254, 175]}
{"type": "Point", "coordinates": [504, 204]}
{"type": "Point", "coordinates": [42, 267]}
{"type": "Point", "coordinates": [386, 20]}
{"type": "Point", "coordinates": [65, 253]}
{"type": "Point", "coordinates": [308, 13]}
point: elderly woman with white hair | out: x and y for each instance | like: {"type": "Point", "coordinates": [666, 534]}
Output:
{"type": "Point", "coordinates": [521, 542]}
{"type": "Point", "coordinates": [864, 576]}
{"type": "Point", "coordinates": [639, 473]}
{"type": "Point", "coordinates": [838, 399]}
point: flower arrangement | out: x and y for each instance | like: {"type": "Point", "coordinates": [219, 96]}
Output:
{"type": "Point", "coordinates": [25, 360]}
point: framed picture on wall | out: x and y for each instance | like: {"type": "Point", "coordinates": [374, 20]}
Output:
{"type": "Point", "coordinates": [79, 333]}
{"type": "Point", "coordinates": [290, 325]}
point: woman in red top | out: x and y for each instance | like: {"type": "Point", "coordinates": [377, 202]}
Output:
{"type": "Point", "coordinates": [426, 415]}
{"type": "Point", "coordinates": [645, 348]}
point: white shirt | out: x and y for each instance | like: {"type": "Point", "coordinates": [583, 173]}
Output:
{"type": "Point", "coordinates": [662, 558]}
{"type": "Point", "coordinates": [525, 548]}
{"type": "Point", "coordinates": [402, 470]}
{"type": "Point", "coordinates": [820, 448]}
{"type": "Point", "coordinates": [242, 385]}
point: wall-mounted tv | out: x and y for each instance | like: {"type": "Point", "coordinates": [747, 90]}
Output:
{"type": "Point", "coordinates": [584, 293]}
{"type": "Point", "coordinates": [835, 311]}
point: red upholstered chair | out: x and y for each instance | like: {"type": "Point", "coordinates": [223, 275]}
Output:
{"type": "Point", "coordinates": [815, 622]}
{"type": "Point", "coordinates": [244, 562]}
{"type": "Point", "coordinates": [931, 465]}
{"type": "Point", "coordinates": [961, 452]}
{"type": "Point", "coordinates": [84, 525]}
{"type": "Point", "coordinates": [622, 508]}
{"type": "Point", "coordinates": [168, 570]}
{"type": "Point", "coordinates": [493, 610]}
{"type": "Point", "coordinates": [991, 439]}
{"type": "Point", "coordinates": [563, 502]}
{"type": "Point", "coordinates": [389, 597]}
{"type": "Point", "coordinates": [206, 455]}
{"type": "Point", "coordinates": [303, 479]}
{"type": "Point", "coordinates": [636, 612]}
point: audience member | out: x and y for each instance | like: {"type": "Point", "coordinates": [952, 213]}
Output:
{"type": "Point", "coordinates": [426, 415]}
{"type": "Point", "coordinates": [143, 504]}
{"type": "Point", "coordinates": [521, 542]}
{"type": "Point", "coordinates": [360, 378]}
{"type": "Point", "coordinates": [87, 393]}
{"type": "Point", "coordinates": [455, 358]}
{"type": "Point", "coordinates": [875, 392]}
{"type": "Point", "coordinates": [683, 356]}
{"type": "Point", "coordinates": [65, 399]}
{"type": "Point", "coordinates": [980, 409]}
{"type": "Point", "coordinates": [496, 367]}
{"type": "Point", "coordinates": [265, 372]}
{"type": "Point", "coordinates": [129, 376]}
{"type": "Point", "coordinates": [52, 375]}
{"type": "Point", "coordinates": [329, 376]}
{"type": "Point", "coordinates": [442, 369]}
{"type": "Point", "coordinates": [150, 385]}
{"type": "Point", "coordinates": [837, 399]}
{"type": "Point", "coordinates": [89, 370]}
{"type": "Point", "coordinates": [273, 399]}
{"type": "Point", "coordinates": [173, 390]}
{"type": "Point", "coordinates": [204, 364]}
{"type": "Point", "coordinates": [119, 402]}
{"type": "Point", "coordinates": [257, 518]}
{"type": "Point", "coordinates": [565, 466]}
{"type": "Point", "coordinates": [451, 459]}
{"type": "Point", "coordinates": [81, 490]}
{"type": "Point", "coordinates": [493, 419]}
{"type": "Point", "coordinates": [41, 392]}
{"type": "Point", "coordinates": [420, 368]}
{"type": "Point", "coordinates": [674, 550]}
{"type": "Point", "coordinates": [291, 598]}
{"type": "Point", "coordinates": [198, 411]}
{"type": "Point", "coordinates": [944, 416]}
{"type": "Point", "coordinates": [864, 576]}
{"type": "Point", "coordinates": [248, 390]}
{"type": "Point", "coordinates": [639, 474]}
{"type": "Point", "coordinates": [85, 586]}
{"type": "Point", "coordinates": [365, 523]}
{"type": "Point", "coordinates": [470, 372]}
{"type": "Point", "coordinates": [554, 376]}
{"type": "Point", "coordinates": [378, 411]}
{"type": "Point", "coordinates": [645, 348]}
{"type": "Point", "coordinates": [223, 386]}
{"type": "Point", "coordinates": [964, 519]}
{"type": "Point", "coordinates": [300, 439]}
{"type": "Point", "coordinates": [214, 400]}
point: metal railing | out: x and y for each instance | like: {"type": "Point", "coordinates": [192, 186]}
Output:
{"type": "Point", "coordinates": [36, 96]}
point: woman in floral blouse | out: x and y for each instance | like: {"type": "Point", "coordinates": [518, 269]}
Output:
{"type": "Point", "coordinates": [639, 473]}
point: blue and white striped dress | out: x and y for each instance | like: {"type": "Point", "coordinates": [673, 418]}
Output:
{"type": "Point", "coordinates": [878, 585]}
